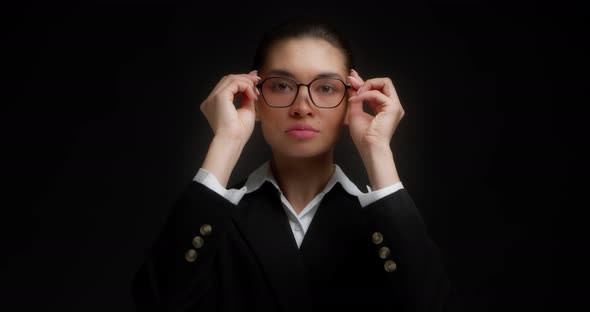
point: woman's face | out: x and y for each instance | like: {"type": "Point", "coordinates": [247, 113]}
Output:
{"type": "Point", "coordinates": [302, 129]}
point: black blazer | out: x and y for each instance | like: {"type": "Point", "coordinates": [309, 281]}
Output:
{"type": "Point", "coordinates": [216, 256]}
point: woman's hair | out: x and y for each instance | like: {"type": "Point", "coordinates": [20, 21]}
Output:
{"type": "Point", "coordinates": [303, 27]}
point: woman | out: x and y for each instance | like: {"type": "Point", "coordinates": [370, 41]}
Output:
{"type": "Point", "coordinates": [297, 235]}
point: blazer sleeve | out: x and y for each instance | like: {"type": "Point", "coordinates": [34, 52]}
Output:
{"type": "Point", "coordinates": [178, 269]}
{"type": "Point", "coordinates": [410, 263]}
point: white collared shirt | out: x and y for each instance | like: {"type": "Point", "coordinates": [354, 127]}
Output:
{"type": "Point", "coordinates": [299, 222]}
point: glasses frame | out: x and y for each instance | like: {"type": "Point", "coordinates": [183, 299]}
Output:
{"type": "Point", "coordinates": [346, 87]}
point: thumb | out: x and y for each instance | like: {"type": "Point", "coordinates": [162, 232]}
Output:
{"type": "Point", "coordinates": [247, 114]}
{"type": "Point", "coordinates": [355, 105]}
{"type": "Point", "coordinates": [247, 103]}
{"type": "Point", "coordinates": [347, 114]}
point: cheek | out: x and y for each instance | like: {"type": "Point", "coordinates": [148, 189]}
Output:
{"type": "Point", "coordinates": [335, 119]}
{"type": "Point", "coordinates": [268, 123]}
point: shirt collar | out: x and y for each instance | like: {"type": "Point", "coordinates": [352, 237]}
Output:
{"type": "Point", "coordinates": [264, 173]}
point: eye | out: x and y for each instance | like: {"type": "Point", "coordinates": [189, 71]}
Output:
{"type": "Point", "coordinates": [326, 89]}
{"type": "Point", "coordinates": [283, 86]}
{"type": "Point", "coordinates": [280, 85]}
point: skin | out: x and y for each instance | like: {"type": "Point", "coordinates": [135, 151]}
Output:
{"type": "Point", "coordinates": [302, 167]}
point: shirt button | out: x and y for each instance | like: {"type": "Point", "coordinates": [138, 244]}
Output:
{"type": "Point", "coordinates": [297, 228]}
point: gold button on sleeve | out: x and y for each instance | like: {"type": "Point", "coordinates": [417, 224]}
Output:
{"type": "Point", "coordinates": [190, 255]}
{"type": "Point", "coordinates": [198, 242]}
{"type": "Point", "coordinates": [384, 252]}
{"type": "Point", "coordinates": [390, 266]}
{"type": "Point", "coordinates": [205, 229]}
{"type": "Point", "coordinates": [377, 238]}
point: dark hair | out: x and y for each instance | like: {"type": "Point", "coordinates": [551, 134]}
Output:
{"type": "Point", "coordinates": [302, 27]}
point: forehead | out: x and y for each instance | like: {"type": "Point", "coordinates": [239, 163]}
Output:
{"type": "Point", "coordinates": [305, 57]}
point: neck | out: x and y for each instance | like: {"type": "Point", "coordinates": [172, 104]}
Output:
{"type": "Point", "coordinates": [301, 179]}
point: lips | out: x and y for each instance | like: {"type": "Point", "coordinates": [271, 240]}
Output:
{"type": "Point", "coordinates": [301, 127]}
{"type": "Point", "coordinates": [302, 131]}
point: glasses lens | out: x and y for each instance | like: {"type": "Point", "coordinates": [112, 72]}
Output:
{"type": "Point", "coordinates": [279, 92]}
{"type": "Point", "coordinates": [327, 92]}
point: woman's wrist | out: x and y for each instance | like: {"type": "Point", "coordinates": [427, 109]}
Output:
{"type": "Point", "coordinates": [222, 157]}
{"type": "Point", "coordinates": [380, 166]}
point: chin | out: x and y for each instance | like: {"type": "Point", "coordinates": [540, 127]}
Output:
{"type": "Point", "coordinates": [301, 150]}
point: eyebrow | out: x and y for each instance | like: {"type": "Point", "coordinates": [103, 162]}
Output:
{"type": "Point", "coordinates": [282, 72]}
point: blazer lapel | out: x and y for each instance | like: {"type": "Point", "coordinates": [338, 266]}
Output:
{"type": "Point", "coordinates": [263, 223]}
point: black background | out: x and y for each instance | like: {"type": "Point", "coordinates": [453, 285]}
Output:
{"type": "Point", "coordinates": [102, 130]}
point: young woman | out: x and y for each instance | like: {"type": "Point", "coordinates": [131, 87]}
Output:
{"type": "Point", "coordinates": [297, 235]}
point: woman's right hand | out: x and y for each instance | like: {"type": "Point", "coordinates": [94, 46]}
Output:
{"type": "Point", "coordinates": [225, 120]}
{"type": "Point", "coordinates": [232, 127]}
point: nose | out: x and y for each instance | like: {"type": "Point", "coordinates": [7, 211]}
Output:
{"type": "Point", "coordinates": [302, 105]}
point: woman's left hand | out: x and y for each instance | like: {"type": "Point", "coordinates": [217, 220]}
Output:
{"type": "Point", "coordinates": [373, 131]}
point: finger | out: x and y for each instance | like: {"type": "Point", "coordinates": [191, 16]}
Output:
{"type": "Point", "coordinates": [356, 75]}
{"type": "Point", "coordinates": [256, 80]}
{"type": "Point", "coordinates": [247, 103]}
{"type": "Point", "coordinates": [228, 79]}
{"type": "Point", "coordinates": [254, 74]}
{"type": "Point", "coordinates": [347, 115]}
{"type": "Point", "coordinates": [247, 106]}
{"type": "Point", "coordinates": [241, 85]}
{"type": "Point", "coordinates": [376, 100]}
{"type": "Point", "coordinates": [384, 85]}
{"type": "Point", "coordinates": [245, 79]}
{"type": "Point", "coordinates": [355, 82]}
{"type": "Point", "coordinates": [355, 108]}
{"type": "Point", "coordinates": [252, 93]}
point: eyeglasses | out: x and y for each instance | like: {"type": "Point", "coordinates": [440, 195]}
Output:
{"type": "Point", "coordinates": [282, 91]}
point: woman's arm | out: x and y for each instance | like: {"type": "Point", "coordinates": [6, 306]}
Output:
{"type": "Point", "coordinates": [178, 269]}
{"type": "Point", "coordinates": [380, 167]}
{"type": "Point", "coordinates": [175, 261]}
{"type": "Point", "coordinates": [372, 134]}
{"type": "Point", "coordinates": [409, 262]}
{"type": "Point", "coordinates": [232, 127]}
{"type": "Point", "coordinates": [412, 263]}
